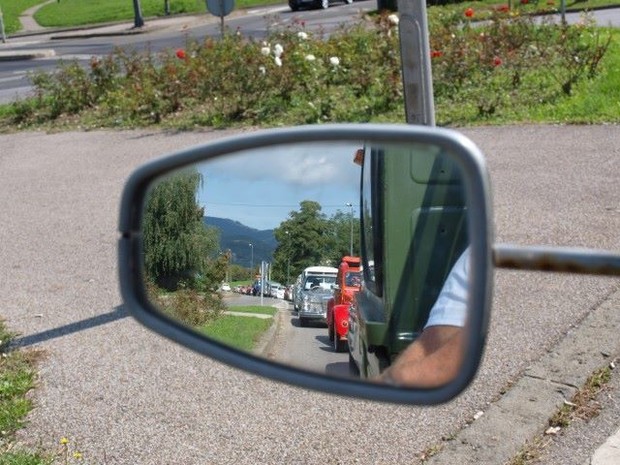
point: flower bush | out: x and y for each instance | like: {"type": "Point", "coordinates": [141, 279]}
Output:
{"type": "Point", "coordinates": [510, 61]}
{"type": "Point", "coordinates": [299, 77]}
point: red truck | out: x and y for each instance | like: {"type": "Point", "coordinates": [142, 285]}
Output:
{"type": "Point", "coordinates": [348, 282]}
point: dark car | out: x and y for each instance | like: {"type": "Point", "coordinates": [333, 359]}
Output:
{"type": "Point", "coordinates": [324, 4]}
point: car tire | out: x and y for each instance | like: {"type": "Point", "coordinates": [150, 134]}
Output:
{"type": "Point", "coordinates": [293, 5]}
{"type": "Point", "coordinates": [303, 322]}
{"type": "Point", "coordinates": [339, 344]}
{"type": "Point", "coordinates": [330, 331]}
{"type": "Point", "coordinates": [353, 369]}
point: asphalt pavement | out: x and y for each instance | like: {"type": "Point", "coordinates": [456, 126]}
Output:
{"type": "Point", "coordinates": [45, 299]}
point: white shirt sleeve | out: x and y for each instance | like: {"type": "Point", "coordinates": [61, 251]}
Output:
{"type": "Point", "coordinates": [450, 308]}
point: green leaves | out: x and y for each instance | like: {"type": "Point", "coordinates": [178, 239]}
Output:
{"type": "Point", "coordinates": [178, 246]}
{"type": "Point", "coordinates": [308, 238]}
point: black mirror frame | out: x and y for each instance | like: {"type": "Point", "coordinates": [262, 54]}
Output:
{"type": "Point", "coordinates": [480, 231]}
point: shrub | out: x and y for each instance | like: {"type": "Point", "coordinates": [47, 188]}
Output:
{"type": "Point", "coordinates": [509, 61]}
{"type": "Point", "coordinates": [480, 70]}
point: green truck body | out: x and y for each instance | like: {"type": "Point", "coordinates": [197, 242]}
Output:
{"type": "Point", "coordinates": [413, 228]}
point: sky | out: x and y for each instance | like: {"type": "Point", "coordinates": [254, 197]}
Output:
{"type": "Point", "coordinates": [260, 188]}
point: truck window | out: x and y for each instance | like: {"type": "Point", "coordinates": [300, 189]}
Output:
{"type": "Point", "coordinates": [371, 227]}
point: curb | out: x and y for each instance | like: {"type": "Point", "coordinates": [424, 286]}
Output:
{"type": "Point", "coordinates": [523, 412]}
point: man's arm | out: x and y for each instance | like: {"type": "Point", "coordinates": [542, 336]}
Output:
{"type": "Point", "coordinates": [436, 356]}
{"type": "Point", "coordinates": [430, 361]}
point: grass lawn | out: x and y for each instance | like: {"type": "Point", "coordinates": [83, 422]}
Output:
{"type": "Point", "coordinates": [78, 12]}
{"type": "Point", "coordinates": [12, 9]}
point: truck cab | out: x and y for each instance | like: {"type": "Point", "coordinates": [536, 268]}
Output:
{"type": "Point", "coordinates": [348, 283]}
{"type": "Point", "coordinates": [413, 228]}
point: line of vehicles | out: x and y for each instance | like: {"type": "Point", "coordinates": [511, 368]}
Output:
{"type": "Point", "coordinates": [323, 294]}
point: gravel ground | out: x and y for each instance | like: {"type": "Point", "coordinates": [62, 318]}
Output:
{"type": "Point", "coordinates": [123, 395]}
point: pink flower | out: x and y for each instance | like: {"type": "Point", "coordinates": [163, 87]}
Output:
{"type": "Point", "coordinates": [497, 61]}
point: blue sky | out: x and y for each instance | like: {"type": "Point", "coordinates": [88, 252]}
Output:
{"type": "Point", "coordinates": [260, 188]}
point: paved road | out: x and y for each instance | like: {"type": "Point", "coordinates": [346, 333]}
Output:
{"type": "Point", "coordinates": [173, 32]}
{"type": "Point", "coordinates": [159, 34]}
{"type": "Point", "coordinates": [124, 395]}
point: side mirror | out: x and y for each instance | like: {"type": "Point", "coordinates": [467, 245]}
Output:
{"type": "Point", "coordinates": [408, 200]}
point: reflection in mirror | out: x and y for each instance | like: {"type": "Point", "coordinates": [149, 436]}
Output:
{"type": "Point", "coordinates": [344, 258]}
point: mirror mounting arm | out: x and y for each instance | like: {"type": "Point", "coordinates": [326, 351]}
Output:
{"type": "Point", "coordinates": [561, 259]}
{"type": "Point", "coordinates": [416, 63]}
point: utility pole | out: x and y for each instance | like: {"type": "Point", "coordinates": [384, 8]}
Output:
{"type": "Point", "coordinates": [416, 62]}
{"type": "Point", "coordinates": [252, 263]}
{"type": "Point", "coordinates": [288, 256]}
{"type": "Point", "coordinates": [350, 205]}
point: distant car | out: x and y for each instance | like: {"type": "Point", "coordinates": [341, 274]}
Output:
{"type": "Point", "coordinates": [295, 5]}
{"type": "Point", "coordinates": [225, 287]}
{"type": "Point", "coordinates": [276, 290]}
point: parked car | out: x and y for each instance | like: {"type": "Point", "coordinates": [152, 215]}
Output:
{"type": "Point", "coordinates": [295, 5]}
{"type": "Point", "coordinates": [276, 290]}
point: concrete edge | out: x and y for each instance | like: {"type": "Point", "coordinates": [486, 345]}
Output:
{"type": "Point", "coordinates": [26, 55]}
{"type": "Point", "coordinates": [523, 412]}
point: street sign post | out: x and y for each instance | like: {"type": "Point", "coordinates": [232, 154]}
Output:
{"type": "Point", "coordinates": [220, 8]}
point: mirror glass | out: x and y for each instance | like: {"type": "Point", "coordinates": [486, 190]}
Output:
{"type": "Point", "coordinates": [328, 256]}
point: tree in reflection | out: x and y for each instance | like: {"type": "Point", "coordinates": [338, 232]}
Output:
{"type": "Point", "coordinates": [309, 238]}
{"type": "Point", "coordinates": [181, 264]}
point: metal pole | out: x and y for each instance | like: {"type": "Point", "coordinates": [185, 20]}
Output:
{"type": "Point", "coordinates": [137, 14]}
{"type": "Point", "coordinates": [252, 263]}
{"type": "Point", "coordinates": [288, 256]}
{"type": "Point", "coordinates": [416, 62]}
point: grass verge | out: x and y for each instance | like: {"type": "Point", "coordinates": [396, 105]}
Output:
{"type": "Point", "coordinates": [584, 406]}
{"type": "Point", "coordinates": [17, 378]}
{"type": "Point", "coordinates": [241, 332]}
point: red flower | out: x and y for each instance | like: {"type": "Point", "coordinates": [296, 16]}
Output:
{"type": "Point", "coordinates": [469, 12]}
{"type": "Point", "coordinates": [181, 54]}
{"type": "Point", "coordinates": [503, 8]}
{"type": "Point", "coordinates": [525, 2]}
{"type": "Point", "coordinates": [436, 53]}
{"type": "Point", "coordinates": [497, 61]}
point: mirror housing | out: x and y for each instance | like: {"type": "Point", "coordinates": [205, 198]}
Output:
{"type": "Point", "coordinates": [462, 152]}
